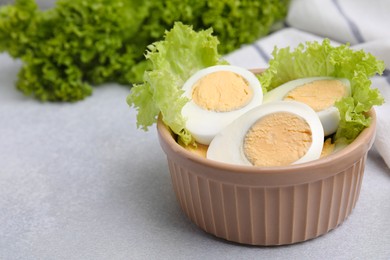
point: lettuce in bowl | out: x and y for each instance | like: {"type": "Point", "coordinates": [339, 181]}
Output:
{"type": "Point", "coordinates": [184, 51]}
{"type": "Point", "coordinates": [173, 60]}
{"type": "Point", "coordinates": [322, 59]}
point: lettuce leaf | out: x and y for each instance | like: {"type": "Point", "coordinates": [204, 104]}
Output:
{"type": "Point", "coordinates": [173, 60]}
{"type": "Point", "coordinates": [69, 48]}
{"type": "Point", "coordinates": [72, 46]}
{"type": "Point", "coordinates": [323, 59]}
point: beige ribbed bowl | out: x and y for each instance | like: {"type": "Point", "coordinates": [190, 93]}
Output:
{"type": "Point", "coordinates": [268, 206]}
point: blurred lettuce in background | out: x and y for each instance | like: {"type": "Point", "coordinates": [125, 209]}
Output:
{"type": "Point", "coordinates": [76, 44]}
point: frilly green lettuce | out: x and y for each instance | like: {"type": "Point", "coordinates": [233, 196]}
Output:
{"type": "Point", "coordinates": [323, 59]}
{"type": "Point", "coordinates": [77, 44]}
{"type": "Point", "coordinates": [173, 60]}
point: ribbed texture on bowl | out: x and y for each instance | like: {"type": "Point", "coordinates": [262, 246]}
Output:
{"type": "Point", "coordinates": [267, 215]}
{"type": "Point", "coordinates": [268, 205]}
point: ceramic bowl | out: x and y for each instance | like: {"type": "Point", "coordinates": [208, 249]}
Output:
{"type": "Point", "coordinates": [268, 206]}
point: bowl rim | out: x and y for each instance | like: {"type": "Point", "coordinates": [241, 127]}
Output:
{"type": "Point", "coordinates": [167, 135]}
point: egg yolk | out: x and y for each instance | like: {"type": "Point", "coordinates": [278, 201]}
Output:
{"type": "Point", "coordinates": [318, 94]}
{"type": "Point", "coordinates": [328, 148]}
{"type": "Point", "coordinates": [198, 149]}
{"type": "Point", "coordinates": [221, 91]}
{"type": "Point", "coordinates": [277, 139]}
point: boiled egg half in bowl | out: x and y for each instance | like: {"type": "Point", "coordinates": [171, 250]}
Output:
{"type": "Point", "coordinates": [320, 93]}
{"type": "Point", "coordinates": [217, 96]}
{"type": "Point", "coordinates": [279, 133]}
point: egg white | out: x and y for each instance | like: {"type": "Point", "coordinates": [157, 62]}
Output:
{"type": "Point", "coordinates": [205, 124]}
{"type": "Point", "coordinates": [227, 146]}
{"type": "Point", "coordinates": [329, 117]}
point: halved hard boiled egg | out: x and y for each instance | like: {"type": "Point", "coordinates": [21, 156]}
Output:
{"type": "Point", "coordinates": [320, 93]}
{"type": "Point", "coordinates": [218, 95]}
{"type": "Point", "coordinates": [279, 133]}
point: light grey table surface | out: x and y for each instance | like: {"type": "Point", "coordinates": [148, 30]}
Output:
{"type": "Point", "coordinates": [79, 181]}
